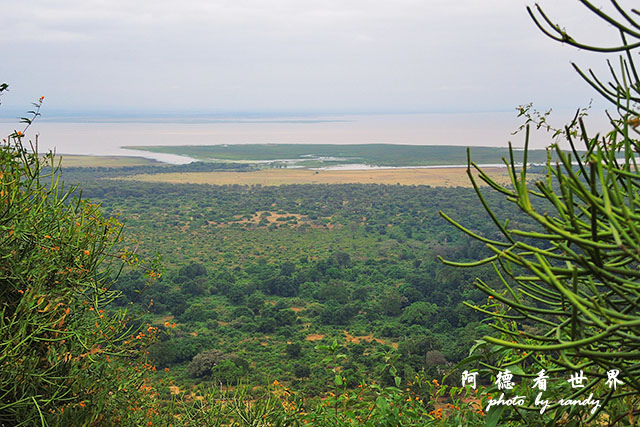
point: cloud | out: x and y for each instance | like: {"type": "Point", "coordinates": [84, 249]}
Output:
{"type": "Point", "coordinates": [289, 55]}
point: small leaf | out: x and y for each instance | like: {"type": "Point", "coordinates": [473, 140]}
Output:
{"type": "Point", "coordinates": [516, 370]}
{"type": "Point", "coordinates": [338, 379]}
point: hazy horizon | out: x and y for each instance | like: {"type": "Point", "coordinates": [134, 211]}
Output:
{"type": "Point", "coordinates": [289, 71]}
{"type": "Point", "coordinates": [291, 56]}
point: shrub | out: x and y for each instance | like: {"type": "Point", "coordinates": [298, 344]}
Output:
{"type": "Point", "coordinates": [65, 356]}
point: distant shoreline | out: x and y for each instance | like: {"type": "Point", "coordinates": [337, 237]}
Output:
{"type": "Point", "coordinates": [88, 160]}
{"type": "Point", "coordinates": [347, 156]}
{"type": "Point", "coordinates": [106, 138]}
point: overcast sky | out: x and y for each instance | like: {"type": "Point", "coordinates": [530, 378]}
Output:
{"type": "Point", "coordinates": [290, 56]}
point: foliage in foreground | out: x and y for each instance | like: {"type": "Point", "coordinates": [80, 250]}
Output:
{"type": "Point", "coordinates": [421, 402]}
{"type": "Point", "coordinates": [66, 359]}
{"type": "Point", "coordinates": [571, 302]}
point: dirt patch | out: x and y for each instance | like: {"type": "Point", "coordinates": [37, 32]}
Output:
{"type": "Point", "coordinates": [356, 340]}
{"type": "Point", "coordinates": [271, 218]}
{"type": "Point", "coordinates": [267, 218]}
{"type": "Point", "coordinates": [314, 337]}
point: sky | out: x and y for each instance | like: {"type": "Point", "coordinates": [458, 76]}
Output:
{"type": "Point", "coordinates": [291, 56]}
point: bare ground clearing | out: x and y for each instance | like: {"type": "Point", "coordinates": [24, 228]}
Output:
{"type": "Point", "coordinates": [276, 218]}
{"type": "Point", "coordinates": [314, 337]}
{"type": "Point", "coordinates": [357, 339]}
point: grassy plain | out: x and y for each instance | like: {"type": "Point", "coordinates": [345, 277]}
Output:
{"type": "Point", "coordinates": [440, 177]}
{"type": "Point", "coordinates": [81, 161]}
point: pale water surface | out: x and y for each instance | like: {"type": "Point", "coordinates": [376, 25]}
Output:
{"type": "Point", "coordinates": [107, 137]}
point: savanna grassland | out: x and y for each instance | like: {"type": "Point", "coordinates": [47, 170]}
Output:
{"type": "Point", "coordinates": [260, 275]}
{"type": "Point", "coordinates": [71, 160]}
{"type": "Point", "coordinates": [244, 295]}
{"type": "Point", "coordinates": [437, 177]}
{"type": "Point", "coordinates": [293, 304]}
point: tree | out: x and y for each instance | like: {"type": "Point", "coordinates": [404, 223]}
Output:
{"type": "Point", "coordinates": [193, 270]}
{"type": "Point", "coordinates": [570, 289]}
{"type": "Point", "coordinates": [419, 313]}
{"type": "Point", "coordinates": [226, 368]}
{"type": "Point", "coordinates": [202, 363]}
{"type": "Point", "coordinates": [301, 370]}
{"type": "Point", "coordinates": [256, 302]}
{"type": "Point", "coordinates": [293, 350]}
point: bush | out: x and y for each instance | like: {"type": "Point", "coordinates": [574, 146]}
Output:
{"type": "Point", "coordinates": [66, 357]}
{"type": "Point", "coordinates": [198, 313]}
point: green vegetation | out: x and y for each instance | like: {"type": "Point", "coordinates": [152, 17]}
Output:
{"type": "Point", "coordinates": [72, 160]}
{"type": "Point", "coordinates": [89, 171]}
{"type": "Point", "coordinates": [266, 266]}
{"type": "Point", "coordinates": [570, 298]}
{"type": "Point", "coordinates": [318, 155]}
{"type": "Point", "coordinates": [66, 357]}
{"type": "Point", "coordinates": [299, 293]}
{"type": "Point", "coordinates": [325, 304]}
